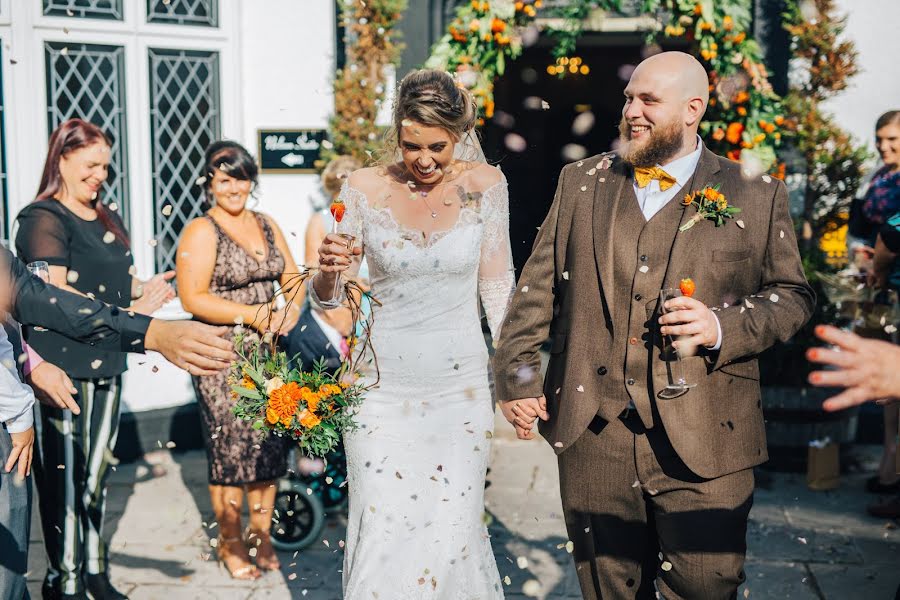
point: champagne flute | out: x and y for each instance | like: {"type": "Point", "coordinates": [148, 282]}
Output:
{"type": "Point", "coordinates": [677, 385]}
{"type": "Point", "coordinates": [349, 240]}
{"type": "Point", "coordinates": [39, 268]}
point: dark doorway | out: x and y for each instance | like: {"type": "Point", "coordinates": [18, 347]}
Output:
{"type": "Point", "coordinates": [547, 129]}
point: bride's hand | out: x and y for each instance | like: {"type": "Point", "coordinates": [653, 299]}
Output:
{"type": "Point", "coordinates": [523, 413]}
{"type": "Point", "coordinates": [334, 256]}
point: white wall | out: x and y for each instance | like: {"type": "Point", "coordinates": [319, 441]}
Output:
{"type": "Point", "coordinates": [872, 26]}
{"type": "Point", "coordinates": [288, 67]}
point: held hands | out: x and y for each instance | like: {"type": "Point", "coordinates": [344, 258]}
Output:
{"type": "Point", "coordinates": [52, 387]}
{"type": "Point", "coordinates": [523, 413]}
{"type": "Point", "coordinates": [157, 292]}
{"type": "Point", "coordinates": [690, 317]}
{"type": "Point", "coordinates": [868, 369]}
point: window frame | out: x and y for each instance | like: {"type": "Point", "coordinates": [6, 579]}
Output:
{"type": "Point", "coordinates": [28, 132]}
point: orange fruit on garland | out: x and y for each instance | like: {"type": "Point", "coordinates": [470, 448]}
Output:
{"type": "Point", "coordinates": [687, 287]}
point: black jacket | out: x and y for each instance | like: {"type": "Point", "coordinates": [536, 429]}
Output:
{"type": "Point", "coordinates": [33, 302]}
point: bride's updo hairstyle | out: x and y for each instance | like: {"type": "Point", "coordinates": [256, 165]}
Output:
{"type": "Point", "coordinates": [432, 98]}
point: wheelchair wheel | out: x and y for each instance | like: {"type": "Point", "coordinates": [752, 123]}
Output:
{"type": "Point", "coordinates": [298, 518]}
{"type": "Point", "coordinates": [333, 495]}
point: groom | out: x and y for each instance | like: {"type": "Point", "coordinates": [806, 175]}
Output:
{"type": "Point", "coordinates": [644, 477]}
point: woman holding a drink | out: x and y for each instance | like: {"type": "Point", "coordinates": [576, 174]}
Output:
{"type": "Point", "coordinates": [72, 239]}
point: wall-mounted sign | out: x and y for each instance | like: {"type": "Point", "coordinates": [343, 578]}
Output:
{"type": "Point", "coordinates": [289, 150]}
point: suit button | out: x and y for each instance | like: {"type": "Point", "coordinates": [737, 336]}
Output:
{"type": "Point", "coordinates": [638, 297]}
{"type": "Point", "coordinates": [643, 258]}
{"type": "Point", "coordinates": [633, 341]}
{"type": "Point", "coordinates": [601, 371]}
{"type": "Point", "coordinates": [630, 381]}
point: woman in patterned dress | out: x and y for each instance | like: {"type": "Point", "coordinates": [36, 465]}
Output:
{"type": "Point", "coordinates": [228, 263]}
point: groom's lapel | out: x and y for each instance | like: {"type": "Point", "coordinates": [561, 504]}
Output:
{"type": "Point", "coordinates": [687, 242]}
{"type": "Point", "coordinates": [612, 183]}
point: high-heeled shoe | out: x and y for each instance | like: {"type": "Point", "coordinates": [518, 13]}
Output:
{"type": "Point", "coordinates": [267, 560]}
{"type": "Point", "coordinates": [245, 572]}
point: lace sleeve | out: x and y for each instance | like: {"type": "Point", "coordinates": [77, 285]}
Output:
{"type": "Point", "coordinates": [351, 224]}
{"type": "Point", "coordinates": [496, 278]}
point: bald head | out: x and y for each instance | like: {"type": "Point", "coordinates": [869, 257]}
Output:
{"type": "Point", "coordinates": [665, 99]}
{"type": "Point", "coordinates": [678, 71]}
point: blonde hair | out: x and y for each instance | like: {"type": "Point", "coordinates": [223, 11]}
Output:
{"type": "Point", "coordinates": [432, 98]}
{"type": "Point", "coordinates": [336, 171]}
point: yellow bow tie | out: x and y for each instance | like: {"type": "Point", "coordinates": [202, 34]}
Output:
{"type": "Point", "coordinates": [644, 175]}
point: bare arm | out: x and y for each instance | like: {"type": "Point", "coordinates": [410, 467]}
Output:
{"type": "Point", "coordinates": [288, 280]}
{"type": "Point", "coordinates": [315, 233]}
{"type": "Point", "coordinates": [194, 264]}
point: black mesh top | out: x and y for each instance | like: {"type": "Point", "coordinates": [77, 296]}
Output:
{"type": "Point", "coordinates": [98, 265]}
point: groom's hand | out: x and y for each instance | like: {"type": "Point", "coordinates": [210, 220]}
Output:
{"type": "Point", "coordinates": [689, 316]}
{"type": "Point", "coordinates": [523, 413]}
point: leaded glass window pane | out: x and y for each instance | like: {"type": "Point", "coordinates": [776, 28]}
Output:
{"type": "Point", "coordinates": [184, 120]}
{"type": "Point", "coordinates": [87, 81]}
{"type": "Point", "coordinates": [86, 9]}
{"type": "Point", "coordinates": [184, 12]}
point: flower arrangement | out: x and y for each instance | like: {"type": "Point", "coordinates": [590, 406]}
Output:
{"type": "Point", "coordinates": [711, 204]}
{"type": "Point", "coordinates": [312, 407]}
{"type": "Point", "coordinates": [480, 39]}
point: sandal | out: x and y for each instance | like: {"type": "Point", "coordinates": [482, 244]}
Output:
{"type": "Point", "coordinates": [267, 559]}
{"type": "Point", "coordinates": [243, 570]}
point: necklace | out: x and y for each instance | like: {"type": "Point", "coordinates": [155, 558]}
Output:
{"type": "Point", "coordinates": [424, 195]}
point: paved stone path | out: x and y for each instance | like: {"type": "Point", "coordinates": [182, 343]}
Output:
{"type": "Point", "coordinates": [802, 544]}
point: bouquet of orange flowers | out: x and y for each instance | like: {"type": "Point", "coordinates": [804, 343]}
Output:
{"type": "Point", "coordinates": [312, 407]}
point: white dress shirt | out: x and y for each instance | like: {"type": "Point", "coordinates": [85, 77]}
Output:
{"type": "Point", "coordinates": [16, 398]}
{"type": "Point", "coordinates": [652, 199]}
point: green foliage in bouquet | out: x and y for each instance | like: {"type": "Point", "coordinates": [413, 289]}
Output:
{"type": "Point", "coordinates": [314, 408]}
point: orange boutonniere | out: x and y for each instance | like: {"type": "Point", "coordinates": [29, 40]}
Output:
{"type": "Point", "coordinates": [711, 204]}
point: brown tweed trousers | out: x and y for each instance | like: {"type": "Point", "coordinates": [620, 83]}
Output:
{"type": "Point", "coordinates": [671, 477]}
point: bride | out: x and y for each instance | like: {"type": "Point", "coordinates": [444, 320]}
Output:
{"type": "Point", "coordinates": [434, 228]}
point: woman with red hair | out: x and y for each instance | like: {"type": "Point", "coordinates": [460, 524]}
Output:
{"type": "Point", "coordinates": [86, 246]}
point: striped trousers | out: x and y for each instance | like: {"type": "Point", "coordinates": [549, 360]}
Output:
{"type": "Point", "coordinates": [74, 453]}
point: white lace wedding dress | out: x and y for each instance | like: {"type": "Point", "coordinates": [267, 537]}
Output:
{"type": "Point", "coordinates": [416, 466]}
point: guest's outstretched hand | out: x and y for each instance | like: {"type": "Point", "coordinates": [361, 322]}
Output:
{"type": "Point", "coordinates": [868, 369]}
{"type": "Point", "coordinates": [197, 348]}
{"type": "Point", "coordinates": [53, 387]}
{"type": "Point", "coordinates": [523, 413]}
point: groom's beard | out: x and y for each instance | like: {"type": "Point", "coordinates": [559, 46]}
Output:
{"type": "Point", "coordinates": [664, 142]}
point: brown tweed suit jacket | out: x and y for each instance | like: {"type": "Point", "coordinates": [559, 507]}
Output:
{"type": "Point", "coordinates": [751, 275]}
